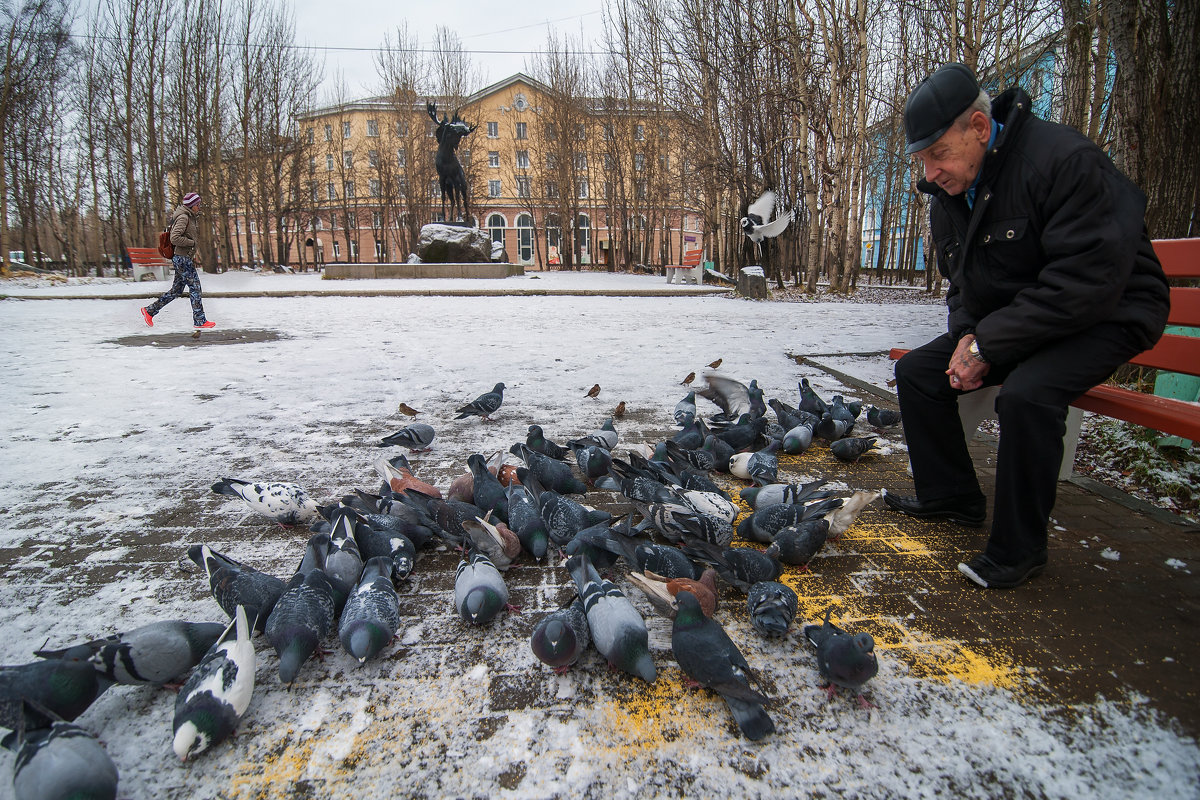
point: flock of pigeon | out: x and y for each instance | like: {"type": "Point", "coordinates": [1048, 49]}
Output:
{"type": "Point", "coordinates": [676, 541]}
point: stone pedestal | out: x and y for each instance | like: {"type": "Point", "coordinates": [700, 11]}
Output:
{"type": "Point", "coordinates": [453, 244]}
{"type": "Point", "coordinates": [752, 283]}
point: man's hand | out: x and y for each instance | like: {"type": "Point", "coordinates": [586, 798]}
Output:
{"type": "Point", "coordinates": [965, 372]}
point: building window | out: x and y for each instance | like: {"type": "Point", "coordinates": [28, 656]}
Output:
{"type": "Point", "coordinates": [522, 130]}
{"type": "Point", "coordinates": [495, 225]}
{"type": "Point", "coordinates": [401, 158]}
{"type": "Point", "coordinates": [525, 238]}
{"type": "Point", "coordinates": [493, 188]}
{"type": "Point", "coordinates": [608, 193]}
{"type": "Point", "coordinates": [348, 159]}
{"type": "Point", "coordinates": [378, 250]}
{"type": "Point", "coordinates": [349, 190]}
{"type": "Point", "coordinates": [582, 187]}
{"type": "Point", "coordinates": [373, 159]}
{"type": "Point", "coordinates": [234, 199]}
{"type": "Point", "coordinates": [493, 130]}
{"type": "Point", "coordinates": [345, 130]}
{"type": "Point", "coordinates": [373, 188]}
{"type": "Point", "coordinates": [312, 164]}
{"type": "Point", "coordinates": [583, 235]}
{"type": "Point", "coordinates": [664, 162]}
{"type": "Point", "coordinates": [435, 189]}
{"type": "Point", "coordinates": [314, 193]}
{"type": "Point", "coordinates": [639, 132]}
{"type": "Point", "coordinates": [522, 159]}
{"type": "Point", "coordinates": [551, 161]}
{"type": "Point", "coordinates": [372, 127]}
{"type": "Point", "coordinates": [609, 163]}
{"type": "Point", "coordinates": [523, 187]}
{"type": "Point", "coordinates": [639, 161]}
{"type": "Point", "coordinates": [329, 162]}
{"type": "Point", "coordinates": [376, 220]}
{"type": "Point", "coordinates": [464, 158]}
{"type": "Point", "coordinates": [319, 224]}
{"type": "Point", "coordinates": [580, 162]}
{"type": "Point", "coordinates": [608, 132]}
{"type": "Point", "coordinates": [332, 191]}
{"type": "Point", "coordinates": [329, 133]}
{"type": "Point", "coordinates": [337, 250]}
{"type": "Point", "coordinates": [493, 158]}
{"type": "Point", "coordinates": [580, 132]}
{"type": "Point", "coordinates": [551, 132]}
{"type": "Point", "coordinates": [402, 186]}
{"type": "Point", "coordinates": [552, 189]}
{"type": "Point", "coordinates": [402, 127]}
{"type": "Point", "coordinates": [309, 135]}
{"type": "Point", "coordinates": [641, 190]}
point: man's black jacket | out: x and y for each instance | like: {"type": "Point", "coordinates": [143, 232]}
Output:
{"type": "Point", "coordinates": [1056, 242]}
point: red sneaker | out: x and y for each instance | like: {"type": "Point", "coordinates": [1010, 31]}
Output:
{"type": "Point", "coordinates": [205, 325]}
{"type": "Point", "coordinates": [148, 319]}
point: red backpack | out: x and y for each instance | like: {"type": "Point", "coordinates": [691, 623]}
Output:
{"type": "Point", "coordinates": [165, 248]}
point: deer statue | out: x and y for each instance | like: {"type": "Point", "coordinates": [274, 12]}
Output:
{"type": "Point", "coordinates": [451, 177]}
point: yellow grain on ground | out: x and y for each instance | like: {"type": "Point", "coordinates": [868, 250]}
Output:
{"type": "Point", "coordinates": [950, 659]}
{"type": "Point", "coordinates": [655, 714]}
{"type": "Point", "coordinates": [284, 767]}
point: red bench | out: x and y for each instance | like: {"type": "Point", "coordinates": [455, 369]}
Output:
{"type": "Point", "coordinates": [1174, 353]}
{"type": "Point", "coordinates": [678, 273]}
{"type": "Point", "coordinates": [148, 265]}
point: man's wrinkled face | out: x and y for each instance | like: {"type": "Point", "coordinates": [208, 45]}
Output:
{"type": "Point", "coordinates": [953, 161]}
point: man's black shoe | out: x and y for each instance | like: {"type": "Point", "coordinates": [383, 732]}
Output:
{"type": "Point", "coordinates": [971, 511]}
{"type": "Point", "coordinates": [990, 575]}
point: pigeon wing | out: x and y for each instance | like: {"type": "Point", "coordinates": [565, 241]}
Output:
{"type": "Point", "coordinates": [776, 226]}
{"type": "Point", "coordinates": [763, 206]}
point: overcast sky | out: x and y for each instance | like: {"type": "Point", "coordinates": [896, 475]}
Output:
{"type": "Point", "coordinates": [499, 37]}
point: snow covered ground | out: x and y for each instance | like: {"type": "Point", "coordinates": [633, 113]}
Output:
{"type": "Point", "coordinates": [115, 432]}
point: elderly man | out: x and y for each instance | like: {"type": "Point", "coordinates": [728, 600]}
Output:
{"type": "Point", "coordinates": [1053, 285]}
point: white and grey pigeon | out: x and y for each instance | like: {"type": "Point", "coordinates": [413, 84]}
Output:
{"type": "Point", "coordinates": [235, 584]}
{"type": "Point", "coordinates": [63, 761]}
{"type": "Point", "coordinates": [618, 630]}
{"type": "Point", "coordinates": [479, 589]}
{"type": "Point", "coordinates": [685, 410]}
{"type": "Point", "coordinates": [217, 695]}
{"type": "Point", "coordinates": [286, 503]}
{"type": "Point", "coordinates": [159, 653]}
{"type": "Point", "coordinates": [758, 224]}
{"type": "Point", "coordinates": [372, 614]}
{"type": "Point", "coordinates": [485, 405]}
{"type": "Point", "coordinates": [416, 437]}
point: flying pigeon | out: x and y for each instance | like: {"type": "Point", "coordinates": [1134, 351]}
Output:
{"type": "Point", "coordinates": [40, 693]}
{"type": "Point", "coordinates": [758, 224]}
{"type": "Point", "coordinates": [479, 589]}
{"type": "Point", "coordinates": [734, 398]}
{"type": "Point", "coordinates": [882, 417]}
{"type": "Point", "coordinates": [852, 449]}
{"type": "Point", "coordinates": [159, 653]}
{"type": "Point", "coordinates": [840, 519]}
{"type": "Point", "coordinates": [843, 659]}
{"type": "Point", "coordinates": [234, 584]}
{"type": "Point", "coordinates": [618, 630]}
{"type": "Point", "coordinates": [483, 406]}
{"type": "Point", "coordinates": [416, 437]}
{"type": "Point", "coordinates": [561, 636]}
{"type": "Point", "coordinates": [302, 617]}
{"type": "Point", "coordinates": [709, 657]}
{"type": "Point", "coordinates": [63, 761]}
{"type": "Point", "coordinates": [286, 503]}
{"type": "Point", "coordinates": [372, 614]}
{"type": "Point", "coordinates": [217, 695]}
{"type": "Point", "coordinates": [772, 607]}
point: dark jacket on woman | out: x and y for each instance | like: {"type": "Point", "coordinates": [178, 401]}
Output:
{"type": "Point", "coordinates": [1055, 243]}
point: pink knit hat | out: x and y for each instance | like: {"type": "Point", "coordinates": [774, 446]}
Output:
{"type": "Point", "coordinates": [191, 198]}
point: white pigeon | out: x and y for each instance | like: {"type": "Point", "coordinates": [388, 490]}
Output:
{"type": "Point", "coordinates": [841, 519]}
{"type": "Point", "coordinates": [286, 503]}
{"type": "Point", "coordinates": [756, 224]}
{"type": "Point", "coordinates": [217, 695]}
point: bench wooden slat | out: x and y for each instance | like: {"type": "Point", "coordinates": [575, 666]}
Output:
{"type": "Point", "coordinates": [1173, 353]}
{"type": "Point", "coordinates": [1185, 306]}
{"type": "Point", "coordinates": [147, 256]}
{"type": "Point", "coordinates": [1159, 413]}
{"type": "Point", "coordinates": [1180, 258]}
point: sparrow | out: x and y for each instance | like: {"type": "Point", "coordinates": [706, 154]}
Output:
{"type": "Point", "coordinates": [407, 410]}
{"type": "Point", "coordinates": [595, 390]}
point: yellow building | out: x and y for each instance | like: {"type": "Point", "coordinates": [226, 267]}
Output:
{"type": "Point", "coordinates": [557, 182]}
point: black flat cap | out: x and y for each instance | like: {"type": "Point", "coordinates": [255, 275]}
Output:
{"type": "Point", "coordinates": [933, 106]}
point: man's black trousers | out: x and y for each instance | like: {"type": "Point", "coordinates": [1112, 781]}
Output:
{"type": "Point", "coordinates": [1032, 409]}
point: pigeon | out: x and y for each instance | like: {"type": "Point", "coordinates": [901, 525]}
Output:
{"type": "Point", "coordinates": [416, 437]}
{"type": "Point", "coordinates": [734, 398]}
{"type": "Point", "coordinates": [809, 401]}
{"type": "Point", "coordinates": [525, 520]}
{"type": "Point", "coordinates": [685, 410]}
{"type": "Point", "coordinates": [234, 584]}
{"type": "Point", "coordinates": [391, 543]}
{"type": "Point", "coordinates": [286, 503]}
{"type": "Point", "coordinates": [844, 660]}
{"type": "Point", "coordinates": [396, 517]}
{"type": "Point", "coordinates": [217, 694]}
{"type": "Point", "coordinates": [565, 517]}
{"type": "Point", "coordinates": [709, 657]}
{"type": "Point", "coordinates": [61, 762]}
{"type": "Point", "coordinates": [772, 607]}
{"type": "Point", "coordinates": [538, 443]}
{"type": "Point", "coordinates": [303, 617]}
{"type": "Point", "coordinates": [765, 523]}
{"type": "Point", "coordinates": [761, 466]}
{"type": "Point", "coordinates": [495, 541]}
{"type": "Point", "coordinates": [372, 614]}
{"type": "Point", "coordinates": [486, 491]}
{"type": "Point", "coordinates": [561, 636]}
{"type": "Point", "coordinates": [715, 364]}
{"type": "Point", "coordinates": [758, 225]}
{"type": "Point", "coordinates": [618, 630]}
{"type": "Point", "coordinates": [594, 391]}
{"type": "Point", "coordinates": [342, 559]}
{"type": "Point", "coordinates": [840, 519]}
{"type": "Point", "coordinates": [721, 451]}
{"type": "Point", "coordinates": [593, 461]}
{"type": "Point", "coordinates": [400, 478]}
{"type": "Point", "coordinates": [797, 439]}
{"type": "Point", "coordinates": [744, 434]}
{"type": "Point", "coordinates": [40, 693]}
{"type": "Point", "coordinates": [605, 436]}
{"type": "Point", "coordinates": [407, 410]}
{"type": "Point", "coordinates": [549, 472]}
{"type": "Point", "coordinates": [740, 566]}
{"type": "Point", "coordinates": [790, 417]}
{"type": "Point", "coordinates": [669, 562]}
{"type": "Point", "coordinates": [691, 376]}
{"type": "Point", "coordinates": [762, 496]}
{"type": "Point", "coordinates": [691, 436]}
{"type": "Point", "coordinates": [479, 589]}
{"type": "Point", "coordinates": [882, 417]}
{"type": "Point", "coordinates": [830, 428]}
{"type": "Point", "coordinates": [852, 449]}
{"type": "Point", "coordinates": [796, 544]}
{"type": "Point", "coordinates": [661, 592]}
{"type": "Point", "coordinates": [483, 406]}
{"type": "Point", "coordinates": [158, 654]}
